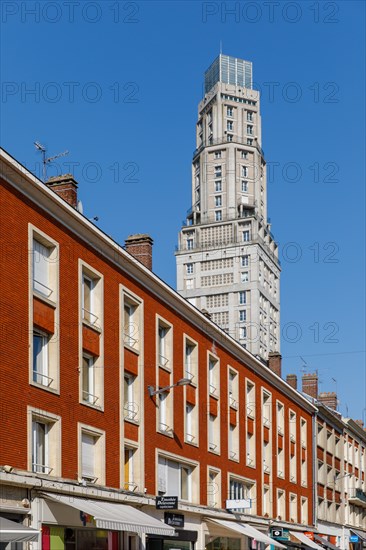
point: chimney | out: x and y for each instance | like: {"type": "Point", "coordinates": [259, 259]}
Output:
{"type": "Point", "coordinates": [140, 247]}
{"type": "Point", "coordinates": [360, 423]}
{"type": "Point", "coordinates": [310, 384]}
{"type": "Point", "coordinates": [274, 362]}
{"type": "Point", "coordinates": [329, 399]}
{"type": "Point", "coordinates": [291, 380]}
{"type": "Point", "coordinates": [66, 187]}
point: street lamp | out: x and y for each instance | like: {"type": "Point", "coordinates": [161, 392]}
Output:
{"type": "Point", "coordinates": [182, 382]}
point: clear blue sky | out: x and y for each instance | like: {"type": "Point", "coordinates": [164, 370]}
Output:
{"type": "Point", "coordinates": [118, 83]}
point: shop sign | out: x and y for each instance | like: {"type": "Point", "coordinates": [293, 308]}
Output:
{"type": "Point", "coordinates": [174, 520]}
{"type": "Point", "coordinates": [166, 503]}
{"type": "Point", "coordinates": [280, 533]}
{"type": "Point", "coordinates": [354, 538]}
{"type": "Point", "coordinates": [240, 504]}
{"type": "Point", "coordinates": [309, 534]}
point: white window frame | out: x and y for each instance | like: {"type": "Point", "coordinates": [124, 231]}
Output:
{"type": "Point", "coordinates": [53, 451]}
{"type": "Point", "coordinates": [99, 454]}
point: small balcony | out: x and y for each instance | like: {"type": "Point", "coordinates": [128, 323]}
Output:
{"type": "Point", "coordinates": [357, 497]}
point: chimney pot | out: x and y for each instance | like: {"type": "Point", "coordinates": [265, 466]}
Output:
{"type": "Point", "coordinates": [65, 187]}
{"type": "Point", "coordinates": [140, 247]}
{"type": "Point", "coordinates": [291, 379]}
{"type": "Point", "coordinates": [275, 362]}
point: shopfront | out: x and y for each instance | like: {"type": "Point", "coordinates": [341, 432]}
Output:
{"type": "Point", "coordinates": [357, 539]}
{"type": "Point", "coordinates": [233, 535]}
{"type": "Point", "coordinates": [73, 523]}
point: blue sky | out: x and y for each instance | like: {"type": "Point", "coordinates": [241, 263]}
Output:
{"type": "Point", "coordinates": [118, 83]}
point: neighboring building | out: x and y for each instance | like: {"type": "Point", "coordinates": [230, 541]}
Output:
{"type": "Point", "coordinates": [227, 258]}
{"type": "Point", "coordinates": [89, 334]}
{"type": "Point", "coordinates": [340, 469]}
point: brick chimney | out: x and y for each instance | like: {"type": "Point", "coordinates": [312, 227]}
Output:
{"type": "Point", "coordinates": [291, 380]}
{"type": "Point", "coordinates": [329, 399]}
{"type": "Point", "coordinates": [66, 187]}
{"type": "Point", "coordinates": [274, 362]}
{"type": "Point", "coordinates": [310, 384]}
{"type": "Point", "coordinates": [140, 247]}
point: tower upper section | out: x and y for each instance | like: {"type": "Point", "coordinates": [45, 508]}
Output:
{"type": "Point", "coordinates": [229, 70]}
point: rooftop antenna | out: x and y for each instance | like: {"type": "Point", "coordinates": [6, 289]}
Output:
{"type": "Point", "coordinates": [47, 160]}
{"type": "Point", "coordinates": [304, 366]}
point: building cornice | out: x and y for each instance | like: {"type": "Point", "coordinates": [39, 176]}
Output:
{"type": "Point", "coordinates": [36, 191]}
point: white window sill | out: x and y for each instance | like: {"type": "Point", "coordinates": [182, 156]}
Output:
{"type": "Point", "coordinates": [94, 406]}
{"type": "Point", "coordinates": [46, 388]}
{"type": "Point", "coordinates": [44, 298]}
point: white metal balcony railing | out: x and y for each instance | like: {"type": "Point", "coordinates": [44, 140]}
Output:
{"type": "Point", "coordinates": [89, 478]}
{"type": "Point", "coordinates": [190, 438]}
{"type": "Point", "coordinates": [213, 389]}
{"type": "Point", "coordinates": [165, 428]}
{"type": "Point", "coordinates": [233, 454]}
{"type": "Point", "coordinates": [233, 402]}
{"type": "Point", "coordinates": [250, 461]}
{"type": "Point", "coordinates": [89, 397]}
{"type": "Point", "coordinates": [189, 375]}
{"type": "Point", "coordinates": [47, 288]}
{"type": "Point", "coordinates": [266, 422]}
{"type": "Point", "coordinates": [129, 411]}
{"type": "Point", "coordinates": [130, 486]}
{"type": "Point", "coordinates": [89, 317]}
{"type": "Point", "coordinates": [212, 446]}
{"type": "Point", "coordinates": [130, 340]}
{"type": "Point", "coordinates": [44, 379]}
{"type": "Point", "coordinates": [41, 468]}
{"type": "Point", "coordinates": [163, 361]}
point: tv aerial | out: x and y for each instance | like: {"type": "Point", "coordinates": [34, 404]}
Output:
{"type": "Point", "coordinates": [47, 160]}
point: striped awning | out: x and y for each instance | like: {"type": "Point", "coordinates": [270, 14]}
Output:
{"type": "Point", "coordinates": [11, 531]}
{"type": "Point", "coordinates": [114, 516]}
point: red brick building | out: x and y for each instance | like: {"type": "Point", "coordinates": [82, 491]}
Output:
{"type": "Point", "coordinates": [89, 333]}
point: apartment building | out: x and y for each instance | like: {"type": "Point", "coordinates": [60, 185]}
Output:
{"type": "Point", "coordinates": [227, 258]}
{"type": "Point", "coordinates": [129, 418]}
{"type": "Point", "coordinates": [340, 472]}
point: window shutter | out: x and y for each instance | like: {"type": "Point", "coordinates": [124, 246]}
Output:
{"type": "Point", "coordinates": [87, 454]}
{"type": "Point", "coordinates": [162, 475]}
{"type": "Point", "coordinates": [40, 267]}
{"type": "Point", "coordinates": [173, 478]}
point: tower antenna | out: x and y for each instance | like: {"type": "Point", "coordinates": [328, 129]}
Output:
{"type": "Point", "coordinates": [47, 160]}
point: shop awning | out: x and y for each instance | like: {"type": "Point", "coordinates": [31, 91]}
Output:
{"type": "Point", "coordinates": [325, 542]}
{"type": "Point", "coordinates": [360, 534]}
{"type": "Point", "coordinates": [305, 540]}
{"type": "Point", "coordinates": [114, 516]}
{"type": "Point", "coordinates": [11, 531]}
{"type": "Point", "coordinates": [247, 530]}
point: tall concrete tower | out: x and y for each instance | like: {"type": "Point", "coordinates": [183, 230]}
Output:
{"type": "Point", "coordinates": [227, 258]}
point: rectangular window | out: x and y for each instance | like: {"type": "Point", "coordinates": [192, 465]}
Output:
{"type": "Point", "coordinates": [229, 137]}
{"type": "Point", "coordinates": [246, 235]}
{"type": "Point", "coordinates": [249, 129]}
{"type": "Point", "coordinates": [175, 478]}
{"type": "Point", "coordinates": [244, 154]}
{"type": "Point", "coordinates": [213, 376]}
{"type": "Point", "coordinates": [293, 508]}
{"type": "Point", "coordinates": [213, 489]}
{"type": "Point", "coordinates": [218, 172]}
{"type": "Point", "coordinates": [218, 215]}
{"type": "Point", "coordinates": [41, 269]}
{"type": "Point", "coordinates": [92, 455]}
{"type": "Point", "coordinates": [240, 490]}
{"type": "Point", "coordinates": [244, 186]}
{"type": "Point", "coordinates": [129, 469]}
{"type": "Point", "coordinates": [244, 171]}
{"type": "Point", "coordinates": [164, 345]}
{"type": "Point", "coordinates": [245, 261]}
{"type": "Point", "coordinates": [229, 111]}
{"type": "Point", "coordinates": [131, 322]}
{"type": "Point", "coordinates": [87, 295]}
{"type": "Point", "coordinates": [190, 423]}
{"type": "Point", "coordinates": [233, 386]}
{"type": "Point", "coordinates": [230, 125]}
{"type": "Point", "coordinates": [163, 425]}
{"type": "Point", "coordinates": [218, 200]}
{"type": "Point", "coordinates": [244, 276]}
{"type": "Point", "coordinates": [249, 141]}
{"type": "Point", "coordinates": [249, 116]}
{"type": "Point", "coordinates": [242, 315]}
{"type": "Point", "coordinates": [44, 440]}
{"type": "Point", "coordinates": [89, 392]}
{"type": "Point", "coordinates": [40, 448]}
{"type": "Point", "coordinates": [189, 244]}
{"type": "Point", "coordinates": [217, 154]}
{"type": "Point", "coordinates": [242, 297]}
{"type": "Point", "coordinates": [40, 358]}
{"type": "Point", "coordinates": [213, 433]}
{"type": "Point", "coordinates": [189, 269]}
{"type": "Point", "coordinates": [281, 505]}
{"type": "Point", "coordinates": [218, 186]}
{"type": "Point", "coordinates": [190, 360]}
{"type": "Point", "coordinates": [130, 406]}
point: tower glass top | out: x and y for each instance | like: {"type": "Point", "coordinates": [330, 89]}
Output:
{"type": "Point", "coordinates": [229, 70]}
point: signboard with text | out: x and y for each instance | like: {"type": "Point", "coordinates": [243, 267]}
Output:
{"type": "Point", "coordinates": [166, 503]}
{"type": "Point", "coordinates": [174, 520]}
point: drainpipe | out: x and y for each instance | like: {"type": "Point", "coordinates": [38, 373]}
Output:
{"type": "Point", "coordinates": [315, 469]}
